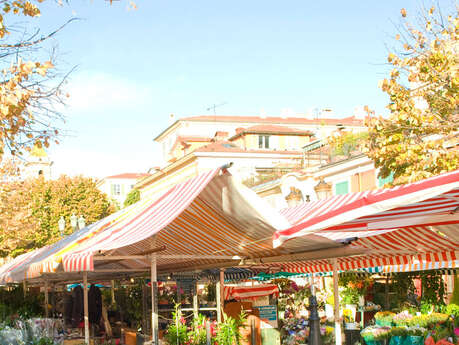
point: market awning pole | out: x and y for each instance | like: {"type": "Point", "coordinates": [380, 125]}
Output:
{"type": "Point", "coordinates": [195, 300]}
{"type": "Point", "coordinates": [222, 293]}
{"type": "Point", "coordinates": [338, 339]}
{"type": "Point", "coordinates": [46, 299]}
{"type": "Point", "coordinates": [154, 306]}
{"type": "Point", "coordinates": [86, 308]}
{"type": "Point", "coordinates": [112, 290]}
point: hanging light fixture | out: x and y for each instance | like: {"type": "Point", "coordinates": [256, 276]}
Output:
{"type": "Point", "coordinates": [323, 190]}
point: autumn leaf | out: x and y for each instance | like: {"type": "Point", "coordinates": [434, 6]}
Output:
{"type": "Point", "coordinates": [419, 138]}
{"type": "Point", "coordinates": [403, 12]}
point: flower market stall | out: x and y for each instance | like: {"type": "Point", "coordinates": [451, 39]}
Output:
{"type": "Point", "coordinates": [399, 226]}
{"type": "Point", "coordinates": [210, 221]}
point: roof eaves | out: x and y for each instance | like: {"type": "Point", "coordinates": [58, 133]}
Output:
{"type": "Point", "coordinates": [166, 130]}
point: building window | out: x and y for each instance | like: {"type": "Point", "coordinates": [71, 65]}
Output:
{"type": "Point", "coordinates": [342, 188]}
{"type": "Point", "coordinates": [116, 189]}
{"type": "Point", "coordinates": [263, 141]}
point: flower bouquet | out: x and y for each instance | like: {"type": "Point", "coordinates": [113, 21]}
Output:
{"type": "Point", "coordinates": [327, 334]}
{"type": "Point", "coordinates": [374, 335]}
{"type": "Point", "coordinates": [415, 336]}
{"type": "Point", "coordinates": [384, 318]}
{"type": "Point", "coordinates": [403, 318]}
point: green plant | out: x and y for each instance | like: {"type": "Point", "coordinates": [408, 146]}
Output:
{"type": "Point", "coordinates": [42, 341]}
{"type": "Point", "coordinates": [455, 296]}
{"type": "Point", "coordinates": [228, 331]}
{"type": "Point", "coordinates": [433, 288]}
{"type": "Point", "coordinates": [15, 304]}
{"type": "Point", "coordinates": [452, 309]}
{"type": "Point", "coordinates": [176, 333]}
{"type": "Point", "coordinates": [132, 197]}
{"type": "Point", "coordinates": [353, 286]}
{"type": "Point", "coordinates": [398, 331]}
{"type": "Point", "coordinates": [197, 333]}
{"type": "Point", "coordinates": [211, 292]}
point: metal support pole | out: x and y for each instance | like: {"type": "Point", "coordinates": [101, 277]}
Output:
{"type": "Point", "coordinates": [46, 299]}
{"type": "Point", "coordinates": [86, 308]}
{"type": "Point", "coordinates": [154, 304]}
{"type": "Point", "coordinates": [338, 340]}
{"type": "Point", "coordinates": [386, 294]}
{"type": "Point", "coordinates": [253, 332]}
{"type": "Point", "coordinates": [24, 287]}
{"type": "Point", "coordinates": [314, 322]}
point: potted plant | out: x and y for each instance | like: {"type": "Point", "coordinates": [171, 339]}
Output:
{"type": "Point", "coordinates": [349, 319]}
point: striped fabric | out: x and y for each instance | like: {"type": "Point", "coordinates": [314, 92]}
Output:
{"type": "Point", "coordinates": [209, 215]}
{"type": "Point", "coordinates": [417, 203]}
{"type": "Point", "coordinates": [249, 292]}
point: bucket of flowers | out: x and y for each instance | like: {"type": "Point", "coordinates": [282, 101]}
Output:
{"type": "Point", "coordinates": [398, 335]}
{"type": "Point", "coordinates": [402, 319]}
{"type": "Point", "coordinates": [376, 335]}
{"type": "Point", "coordinates": [384, 318]}
{"type": "Point", "coordinates": [415, 335]}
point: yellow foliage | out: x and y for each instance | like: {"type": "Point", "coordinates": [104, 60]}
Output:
{"type": "Point", "coordinates": [420, 137]}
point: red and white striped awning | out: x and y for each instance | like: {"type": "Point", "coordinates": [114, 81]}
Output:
{"type": "Point", "coordinates": [249, 292]}
{"type": "Point", "coordinates": [430, 203]}
{"type": "Point", "coordinates": [202, 222]}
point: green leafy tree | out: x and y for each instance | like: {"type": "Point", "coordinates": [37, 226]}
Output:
{"type": "Point", "coordinates": [32, 208]}
{"type": "Point", "coordinates": [419, 138]}
{"type": "Point", "coordinates": [132, 197]}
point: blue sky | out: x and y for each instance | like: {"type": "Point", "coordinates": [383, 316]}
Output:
{"type": "Point", "coordinates": [136, 67]}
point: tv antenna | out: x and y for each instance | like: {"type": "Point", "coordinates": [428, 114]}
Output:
{"type": "Point", "coordinates": [215, 106]}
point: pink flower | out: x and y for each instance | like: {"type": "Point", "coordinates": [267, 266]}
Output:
{"type": "Point", "coordinates": [456, 331]}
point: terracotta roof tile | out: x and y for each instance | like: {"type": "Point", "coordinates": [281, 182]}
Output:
{"type": "Point", "coordinates": [129, 175]}
{"type": "Point", "coordinates": [227, 146]}
{"type": "Point", "coordinates": [350, 120]}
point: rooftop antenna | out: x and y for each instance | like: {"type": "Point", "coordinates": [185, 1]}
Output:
{"type": "Point", "coordinates": [214, 106]}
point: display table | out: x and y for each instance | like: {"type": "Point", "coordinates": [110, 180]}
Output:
{"type": "Point", "coordinates": [352, 336]}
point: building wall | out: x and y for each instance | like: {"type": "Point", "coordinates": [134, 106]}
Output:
{"type": "Point", "coordinates": [179, 151]}
{"type": "Point", "coordinates": [276, 142]}
{"type": "Point", "coordinates": [208, 129]}
{"type": "Point", "coordinates": [117, 189]}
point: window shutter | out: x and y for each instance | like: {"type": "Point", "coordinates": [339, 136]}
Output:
{"type": "Point", "coordinates": [112, 189]}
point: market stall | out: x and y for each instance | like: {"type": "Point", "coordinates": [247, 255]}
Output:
{"type": "Point", "coordinates": [401, 226]}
